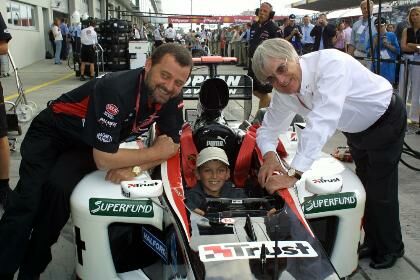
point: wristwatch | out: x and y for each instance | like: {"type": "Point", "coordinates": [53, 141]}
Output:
{"type": "Point", "coordinates": [292, 173]}
{"type": "Point", "coordinates": [136, 170]}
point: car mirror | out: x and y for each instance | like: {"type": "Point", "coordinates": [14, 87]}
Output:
{"type": "Point", "coordinates": [324, 184]}
{"type": "Point", "coordinates": [141, 188]}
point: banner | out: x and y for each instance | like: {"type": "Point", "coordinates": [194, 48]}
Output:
{"type": "Point", "coordinates": [215, 19]}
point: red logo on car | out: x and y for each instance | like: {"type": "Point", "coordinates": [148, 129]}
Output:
{"type": "Point", "coordinates": [112, 109]}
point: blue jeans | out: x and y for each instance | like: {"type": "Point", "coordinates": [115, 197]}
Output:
{"type": "Point", "coordinates": [58, 44]}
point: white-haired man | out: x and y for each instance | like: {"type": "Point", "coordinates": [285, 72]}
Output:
{"type": "Point", "coordinates": [344, 96]}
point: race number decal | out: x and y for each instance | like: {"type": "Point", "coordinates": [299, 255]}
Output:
{"type": "Point", "coordinates": [252, 250]}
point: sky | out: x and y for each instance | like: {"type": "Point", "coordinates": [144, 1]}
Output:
{"type": "Point", "coordinates": [215, 7]}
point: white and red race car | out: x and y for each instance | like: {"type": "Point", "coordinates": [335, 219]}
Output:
{"type": "Point", "coordinates": [142, 229]}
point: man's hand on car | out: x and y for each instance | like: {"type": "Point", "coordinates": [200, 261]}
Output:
{"type": "Point", "coordinates": [165, 146]}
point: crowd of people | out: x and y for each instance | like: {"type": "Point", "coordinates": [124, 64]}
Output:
{"type": "Point", "coordinates": [308, 36]}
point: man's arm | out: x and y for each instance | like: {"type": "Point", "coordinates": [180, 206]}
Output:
{"type": "Point", "coordinates": [162, 149]}
{"type": "Point", "coordinates": [321, 122]}
{"type": "Point", "coordinates": [276, 120]}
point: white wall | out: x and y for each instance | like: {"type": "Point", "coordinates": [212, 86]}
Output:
{"type": "Point", "coordinates": [27, 46]}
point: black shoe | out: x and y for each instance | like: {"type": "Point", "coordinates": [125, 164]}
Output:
{"type": "Point", "coordinates": [387, 260]}
{"type": "Point", "coordinates": [4, 194]}
{"type": "Point", "coordinates": [245, 68]}
{"type": "Point", "coordinates": [82, 78]}
{"type": "Point", "coordinates": [364, 251]}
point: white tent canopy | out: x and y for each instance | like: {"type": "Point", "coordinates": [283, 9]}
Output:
{"type": "Point", "coordinates": [297, 12]}
{"type": "Point", "coordinates": [357, 12]}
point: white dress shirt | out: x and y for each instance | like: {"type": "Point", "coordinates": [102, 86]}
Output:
{"type": "Point", "coordinates": [340, 93]}
{"type": "Point", "coordinates": [170, 33]}
{"type": "Point", "coordinates": [157, 36]}
{"type": "Point", "coordinates": [88, 36]}
{"type": "Point", "coordinates": [306, 30]}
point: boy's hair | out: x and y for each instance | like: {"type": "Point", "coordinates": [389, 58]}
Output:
{"type": "Point", "coordinates": [211, 153]}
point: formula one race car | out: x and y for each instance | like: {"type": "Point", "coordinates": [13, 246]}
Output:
{"type": "Point", "coordinates": [142, 229]}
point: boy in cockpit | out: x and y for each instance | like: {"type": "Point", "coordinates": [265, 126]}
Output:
{"type": "Point", "coordinates": [212, 172]}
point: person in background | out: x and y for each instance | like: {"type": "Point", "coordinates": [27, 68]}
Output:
{"type": "Point", "coordinates": [307, 39]}
{"type": "Point", "coordinates": [58, 40]}
{"type": "Point", "coordinates": [388, 49]}
{"type": "Point", "coordinates": [75, 30]}
{"type": "Point", "coordinates": [333, 91]}
{"type": "Point", "coordinates": [212, 173]}
{"type": "Point", "coordinates": [170, 34]}
{"type": "Point", "coordinates": [360, 33]}
{"type": "Point", "coordinates": [390, 27]}
{"type": "Point", "coordinates": [340, 38]}
{"type": "Point", "coordinates": [410, 45]}
{"type": "Point", "coordinates": [347, 33]}
{"type": "Point", "coordinates": [65, 33]}
{"type": "Point", "coordinates": [5, 190]}
{"type": "Point", "coordinates": [245, 37]}
{"type": "Point", "coordinates": [136, 32]}
{"type": "Point", "coordinates": [261, 30]}
{"type": "Point", "coordinates": [293, 34]}
{"type": "Point", "coordinates": [324, 33]}
{"type": "Point", "coordinates": [157, 35]}
{"type": "Point", "coordinates": [89, 39]}
{"type": "Point", "coordinates": [143, 31]}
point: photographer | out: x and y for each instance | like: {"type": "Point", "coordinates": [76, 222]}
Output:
{"type": "Point", "coordinates": [293, 34]}
{"type": "Point", "coordinates": [324, 34]}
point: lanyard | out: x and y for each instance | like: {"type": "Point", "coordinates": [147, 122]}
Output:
{"type": "Point", "coordinates": [156, 108]}
{"type": "Point", "coordinates": [135, 128]}
{"type": "Point", "coordinates": [301, 102]}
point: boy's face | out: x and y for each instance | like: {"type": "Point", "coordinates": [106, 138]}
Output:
{"type": "Point", "coordinates": [213, 174]}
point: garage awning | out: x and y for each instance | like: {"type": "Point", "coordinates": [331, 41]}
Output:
{"type": "Point", "coordinates": [326, 5]}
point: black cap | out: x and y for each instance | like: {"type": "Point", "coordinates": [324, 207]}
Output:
{"type": "Point", "coordinates": [292, 16]}
{"type": "Point", "coordinates": [383, 21]}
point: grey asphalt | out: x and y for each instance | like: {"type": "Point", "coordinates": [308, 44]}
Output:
{"type": "Point", "coordinates": [44, 81]}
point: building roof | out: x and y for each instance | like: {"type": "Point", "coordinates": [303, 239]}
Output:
{"type": "Point", "coordinates": [326, 5]}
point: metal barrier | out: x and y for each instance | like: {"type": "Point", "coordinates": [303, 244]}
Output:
{"type": "Point", "coordinates": [402, 61]}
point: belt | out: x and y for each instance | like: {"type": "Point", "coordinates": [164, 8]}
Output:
{"type": "Point", "coordinates": [386, 114]}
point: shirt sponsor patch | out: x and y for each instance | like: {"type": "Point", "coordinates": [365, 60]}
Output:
{"type": "Point", "coordinates": [155, 244]}
{"type": "Point", "coordinates": [103, 137]}
{"type": "Point", "coordinates": [112, 109]}
{"type": "Point", "coordinates": [107, 123]}
{"type": "Point", "coordinates": [252, 250]}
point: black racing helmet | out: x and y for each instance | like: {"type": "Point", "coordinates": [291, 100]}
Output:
{"type": "Point", "coordinates": [213, 97]}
